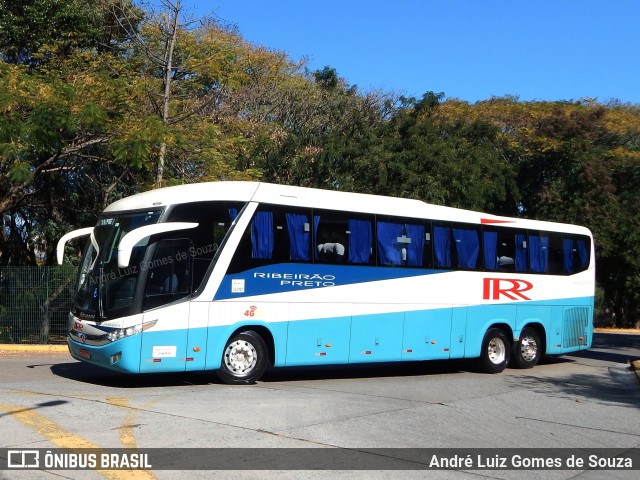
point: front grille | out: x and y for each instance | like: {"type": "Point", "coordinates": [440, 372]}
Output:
{"type": "Point", "coordinates": [92, 340]}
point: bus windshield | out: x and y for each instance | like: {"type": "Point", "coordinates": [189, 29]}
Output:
{"type": "Point", "coordinates": [104, 290]}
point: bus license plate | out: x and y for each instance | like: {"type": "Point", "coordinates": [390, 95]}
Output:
{"type": "Point", "coordinates": [84, 353]}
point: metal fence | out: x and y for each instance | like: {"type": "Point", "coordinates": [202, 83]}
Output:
{"type": "Point", "coordinates": [35, 303]}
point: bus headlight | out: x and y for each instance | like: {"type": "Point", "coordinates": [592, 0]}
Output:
{"type": "Point", "coordinates": [121, 333]}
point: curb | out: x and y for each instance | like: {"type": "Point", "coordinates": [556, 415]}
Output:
{"type": "Point", "coordinates": [635, 366]}
{"type": "Point", "coordinates": [33, 348]}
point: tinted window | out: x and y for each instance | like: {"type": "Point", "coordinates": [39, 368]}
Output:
{"type": "Point", "coordinates": [400, 242]}
{"type": "Point", "coordinates": [275, 235]}
{"type": "Point", "coordinates": [169, 273]}
{"type": "Point", "coordinates": [576, 250]}
{"type": "Point", "coordinates": [343, 237]}
{"type": "Point", "coordinates": [214, 221]}
{"type": "Point", "coordinates": [456, 246]}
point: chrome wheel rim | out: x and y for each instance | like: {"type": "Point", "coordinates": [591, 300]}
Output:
{"type": "Point", "coordinates": [496, 351]}
{"type": "Point", "coordinates": [240, 357]}
{"type": "Point", "coordinates": [528, 348]}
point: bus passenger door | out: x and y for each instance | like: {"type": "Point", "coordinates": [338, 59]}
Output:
{"type": "Point", "coordinates": [166, 308]}
{"type": "Point", "coordinates": [164, 344]}
{"type": "Point", "coordinates": [427, 334]}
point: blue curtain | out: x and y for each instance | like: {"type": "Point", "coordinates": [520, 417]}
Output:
{"type": "Point", "coordinates": [583, 253]}
{"type": "Point", "coordinates": [538, 253]}
{"type": "Point", "coordinates": [521, 253]}
{"type": "Point", "coordinates": [490, 250]}
{"type": "Point", "coordinates": [298, 237]}
{"type": "Point", "coordinates": [442, 246]}
{"type": "Point", "coordinates": [567, 249]}
{"type": "Point", "coordinates": [360, 240]}
{"type": "Point", "coordinates": [415, 249]}
{"type": "Point", "coordinates": [316, 222]}
{"type": "Point", "coordinates": [467, 247]}
{"type": "Point", "coordinates": [233, 213]}
{"type": "Point", "coordinates": [262, 235]}
{"type": "Point", "coordinates": [389, 252]}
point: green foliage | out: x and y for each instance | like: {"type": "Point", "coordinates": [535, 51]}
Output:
{"type": "Point", "coordinates": [92, 116]}
{"type": "Point", "coordinates": [19, 172]}
{"type": "Point", "coordinates": [32, 30]}
{"type": "Point", "coordinates": [82, 123]}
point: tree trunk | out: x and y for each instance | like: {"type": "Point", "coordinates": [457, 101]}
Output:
{"type": "Point", "coordinates": [172, 29]}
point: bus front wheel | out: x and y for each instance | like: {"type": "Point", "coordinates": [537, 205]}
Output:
{"type": "Point", "coordinates": [495, 351]}
{"type": "Point", "coordinates": [244, 359]}
{"type": "Point", "coordinates": [527, 350]}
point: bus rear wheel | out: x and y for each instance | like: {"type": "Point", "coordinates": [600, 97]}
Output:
{"type": "Point", "coordinates": [244, 359]}
{"type": "Point", "coordinates": [527, 350]}
{"type": "Point", "coordinates": [494, 355]}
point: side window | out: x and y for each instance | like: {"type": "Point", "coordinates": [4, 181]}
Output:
{"type": "Point", "coordinates": [519, 251]}
{"type": "Point", "coordinates": [280, 235]}
{"type": "Point", "coordinates": [576, 250]}
{"type": "Point", "coordinates": [400, 242]}
{"type": "Point", "coordinates": [538, 248]}
{"type": "Point", "coordinates": [343, 237]}
{"type": "Point", "coordinates": [276, 234]}
{"type": "Point", "coordinates": [169, 273]}
{"type": "Point", "coordinates": [555, 253]}
{"type": "Point", "coordinates": [509, 247]}
{"type": "Point", "coordinates": [504, 250]}
{"type": "Point", "coordinates": [456, 246]}
{"type": "Point", "coordinates": [427, 260]}
{"type": "Point", "coordinates": [214, 221]}
{"type": "Point", "coordinates": [490, 249]}
{"type": "Point", "coordinates": [442, 246]}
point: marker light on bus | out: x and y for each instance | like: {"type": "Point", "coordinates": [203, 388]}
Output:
{"type": "Point", "coordinates": [129, 331]}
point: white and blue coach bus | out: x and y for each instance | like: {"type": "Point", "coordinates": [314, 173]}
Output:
{"type": "Point", "coordinates": [238, 276]}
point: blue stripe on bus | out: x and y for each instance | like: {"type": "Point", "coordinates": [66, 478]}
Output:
{"type": "Point", "coordinates": [288, 277]}
{"type": "Point", "coordinates": [415, 335]}
{"type": "Point", "coordinates": [102, 356]}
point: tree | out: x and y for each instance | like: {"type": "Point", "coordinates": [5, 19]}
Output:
{"type": "Point", "coordinates": [307, 127]}
{"type": "Point", "coordinates": [83, 127]}
{"type": "Point", "coordinates": [62, 99]}
{"type": "Point", "coordinates": [434, 153]}
{"type": "Point", "coordinates": [32, 32]}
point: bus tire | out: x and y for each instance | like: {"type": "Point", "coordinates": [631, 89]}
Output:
{"type": "Point", "coordinates": [494, 355]}
{"type": "Point", "coordinates": [527, 350]}
{"type": "Point", "coordinates": [244, 359]}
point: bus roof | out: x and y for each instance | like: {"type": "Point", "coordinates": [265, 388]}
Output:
{"type": "Point", "coordinates": [243, 191]}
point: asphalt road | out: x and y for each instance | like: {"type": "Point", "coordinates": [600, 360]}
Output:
{"type": "Point", "coordinates": [588, 400]}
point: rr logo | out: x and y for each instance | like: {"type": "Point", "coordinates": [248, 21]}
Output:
{"type": "Point", "coordinates": [510, 288]}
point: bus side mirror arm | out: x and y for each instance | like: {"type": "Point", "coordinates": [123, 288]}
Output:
{"type": "Point", "coordinates": [70, 236]}
{"type": "Point", "coordinates": [134, 236]}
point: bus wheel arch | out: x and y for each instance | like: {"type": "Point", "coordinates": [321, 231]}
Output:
{"type": "Point", "coordinates": [245, 357]}
{"type": "Point", "coordinates": [529, 348]}
{"type": "Point", "coordinates": [496, 349]}
{"type": "Point", "coordinates": [267, 338]}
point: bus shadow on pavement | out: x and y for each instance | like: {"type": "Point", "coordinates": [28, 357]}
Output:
{"type": "Point", "coordinates": [86, 373]}
{"type": "Point", "coordinates": [614, 357]}
{"type": "Point", "coordinates": [622, 390]}
{"type": "Point", "coordinates": [366, 370]}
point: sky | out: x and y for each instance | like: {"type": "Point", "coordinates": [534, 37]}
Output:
{"type": "Point", "coordinates": [467, 49]}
